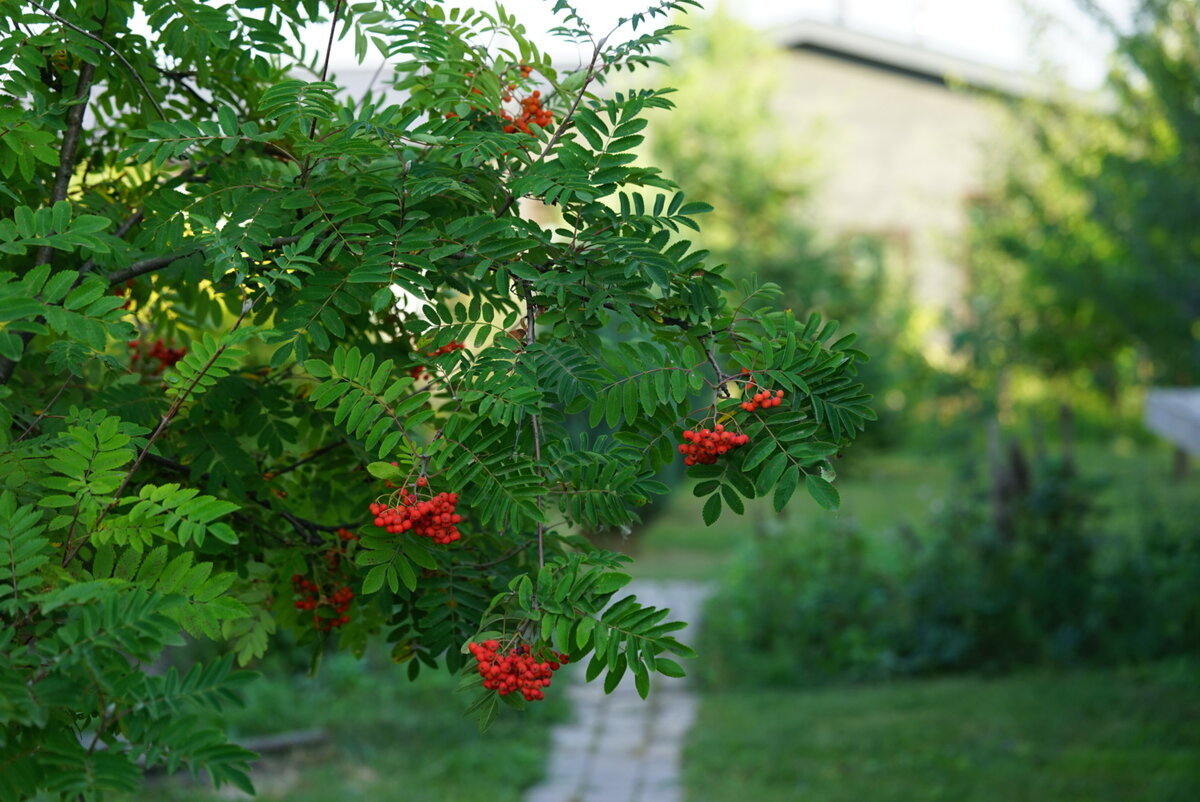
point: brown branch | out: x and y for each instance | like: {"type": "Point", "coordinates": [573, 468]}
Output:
{"type": "Point", "coordinates": [179, 77]}
{"type": "Point", "coordinates": [304, 526]}
{"type": "Point", "coordinates": [62, 182]}
{"type": "Point", "coordinates": [70, 144]}
{"type": "Point", "coordinates": [43, 413]}
{"type": "Point", "coordinates": [314, 455]}
{"type": "Point", "coordinates": [159, 262]}
{"type": "Point", "coordinates": [337, 10]}
{"type": "Point", "coordinates": [721, 380]}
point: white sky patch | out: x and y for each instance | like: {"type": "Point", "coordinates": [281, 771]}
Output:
{"type": "Point", "coordinates": [1004, 33]}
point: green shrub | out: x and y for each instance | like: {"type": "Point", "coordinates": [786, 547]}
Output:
{"type": "Point", "coordinates": [799, 609]}
{"type": "Point", "coordinates": [1049, 586]}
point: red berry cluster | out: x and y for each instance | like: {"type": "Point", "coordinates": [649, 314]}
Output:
{"type": "Point", "coordinates": [433, 518]}
{"type": "Point", "coordinates": [704, 446]}
{"type": "Point", "coordinates": [762, 398]}
{"type": "Point", "coordinates": [166, 356]}
{"type": "Point", "coordinates": [453, 345]}
{"type": "Point", "coordinates": [531, 112]}
{"type": "Point", "coordinates": [312, 597]}
{"type": "Point", "coordinates": [517, 670]}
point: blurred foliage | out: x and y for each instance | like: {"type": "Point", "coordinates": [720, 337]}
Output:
{"type": "Point", "coordinates": [1087, 259]}
{"type": "Point", "coordinates": [1051, 586]}
{"type": "Point", "coordinates": [725, 139]}
{"type": "Point", "coordinates": [390, 739]}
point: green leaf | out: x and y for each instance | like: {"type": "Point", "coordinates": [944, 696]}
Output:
{"type": "Point", "coordinates": [668, 667]}
{"type": "Point", "coordinates": [583, 632]}
{"type": "Point", "coordinates": [228, 120]}
{"type": "Point", "coordinates": [786, 487]}
{"type": "Point", "coordinates": [374, 579]}
{"type": "Point", "coordinates": [610, 582]}
{"type": "Point", "coordinates": [823, 492]}
{"type": "Point", "coordinates": [384, 470]}
{"type": "Point", "coordinates": [712, 509]}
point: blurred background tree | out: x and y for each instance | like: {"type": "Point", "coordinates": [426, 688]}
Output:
{"type": "Point", "coordinates": [1087, 263]}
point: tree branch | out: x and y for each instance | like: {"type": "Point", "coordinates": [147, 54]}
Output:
{"type": "Point", "coordinates": [70, 144]}
{"type": "Point", "coordinates": [169, 416]}
{"type": "Point", "coordinates": [159, 262]}
{"type": "Point", "coordinates": [62, 182]}
{"type": "Point", "coordinates": [337, 10]}
{"type": "Point", "coordinates": [314, 455]}
{"type": "Point", "coordinates": [307, 529]}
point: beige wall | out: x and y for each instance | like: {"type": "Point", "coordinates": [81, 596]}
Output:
{"type": "Point", "coordinates": [896, 156]}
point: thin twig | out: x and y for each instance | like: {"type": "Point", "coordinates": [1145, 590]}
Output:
{"type": "Point", "coordinates": [67, 23]}
{"type": "Point", "coordinates": [721, 379]}
{"type": "Point", "coordinates": [43, 413]}
{"type": "Point", "coordinates": [62, 182]}
{"type": "Point", "coordinates": [308, 523]}
{"type": "Point", "coordinates": [70, 144]}
{"type": "Point", "coordinates": [561, 129]}
{"type": "Point", "coordinates": [535, 420]}
{"type": "Point", "coordinates": [337, 10]}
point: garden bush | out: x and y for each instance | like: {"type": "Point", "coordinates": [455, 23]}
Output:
{"type": "Point", "coordinates": [1049, 586]}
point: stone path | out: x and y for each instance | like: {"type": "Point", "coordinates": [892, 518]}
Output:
{"type": "Point", "coordinates": [619, 748]}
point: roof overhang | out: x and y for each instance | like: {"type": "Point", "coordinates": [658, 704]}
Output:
{"type": "Point", "coordinates": [910, 60]}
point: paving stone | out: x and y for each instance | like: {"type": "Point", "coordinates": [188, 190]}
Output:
{"type": "Point", "coordinates": [554, 793]}
{"type": "Point", "coordinates": [663, 792]}
{"type": "Point", "coordinates": [572, 739]}
{"type": "Point", "coordinates": [657, 773]}
{"type": "Point", "coordinates": [567, 763]}
{"type": "Point", "coordinates": [606, 795]}
{"type": "Point", "coordinates": [617, 787]}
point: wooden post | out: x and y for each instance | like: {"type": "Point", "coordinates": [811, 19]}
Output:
{"type": "Point", "coordinates": [1179, 464]}
{"type": "Point", "coordinates": [1001, 483]}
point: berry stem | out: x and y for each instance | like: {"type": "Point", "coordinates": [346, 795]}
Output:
{"type": "Point", "coordinates": [535, 422]}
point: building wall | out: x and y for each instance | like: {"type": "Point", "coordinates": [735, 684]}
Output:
{"type": "Point", "coordinates": [896, 156]}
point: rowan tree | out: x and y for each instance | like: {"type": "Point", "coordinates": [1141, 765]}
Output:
{"type": "Point", "coordinates": [279, 357]}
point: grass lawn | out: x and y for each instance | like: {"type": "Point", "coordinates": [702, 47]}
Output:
{"type": "Point", "coordinates": [391, 740]}
{"type": "Point", "coordinates": [1090, 736]}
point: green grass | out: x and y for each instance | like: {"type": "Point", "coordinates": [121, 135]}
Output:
{"type": "Point", "coordinates": [391, 740]}
{"type": "Point", "coordinates": [1090, 736]}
